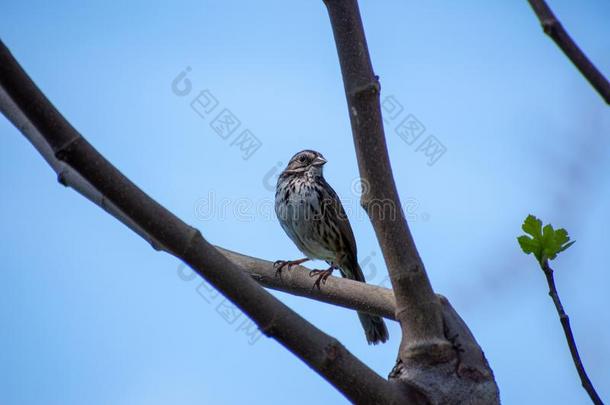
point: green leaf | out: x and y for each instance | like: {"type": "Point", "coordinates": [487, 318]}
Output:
{"type": "Point", "coordinates": [545, 243]}
{"type": "Point", "coordinates": [561, 235]}
{"type": "Point", "coordinates": [528, 245]}
{"type": "Point", "coordinates": [532, 226]}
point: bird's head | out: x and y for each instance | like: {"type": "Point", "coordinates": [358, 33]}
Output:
{"type": "Point", "coordinates": [306, 161]}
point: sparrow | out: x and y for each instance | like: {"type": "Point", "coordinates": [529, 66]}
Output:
{"type": "Point", "coordinates": [311, 214]}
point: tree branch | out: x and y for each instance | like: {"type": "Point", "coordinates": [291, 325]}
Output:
{"type": "Point", "coordinates": [567, 330]}
{"type": "Point", "coordinates": [337, 291]}
{"type": "Point", "coordinates": [437, 349]}
{"type": "Point", "coordinates": [418, 309]}
{"type": "Point", "coordinates": [78, 163]}
{"type": "Point", "coordinates": [553, 28]}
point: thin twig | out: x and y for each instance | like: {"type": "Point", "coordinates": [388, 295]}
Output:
{"type": "Point", "coordinates": [22, 99]}
{"type": "Point", "coordinates": [554, 29]}
{"type": "Point", "coordinates": [567, 330]}
{"type": "Point", "coordinates": [418, 308]}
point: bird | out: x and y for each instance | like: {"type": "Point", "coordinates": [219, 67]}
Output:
{"type": "Point", "coordinates": [311, 214]}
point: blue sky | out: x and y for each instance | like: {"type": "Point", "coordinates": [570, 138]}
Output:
{"type": "Point", "coordinates": [92, 314]}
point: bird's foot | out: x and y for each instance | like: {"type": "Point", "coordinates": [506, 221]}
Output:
{"type": "Point", "coordinates": [280, 264]}
{"type": "Point", "coordinates": [322, 276]}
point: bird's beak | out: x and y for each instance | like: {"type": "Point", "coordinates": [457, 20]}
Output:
{"type": "Point", "coordinates": [319, 161]}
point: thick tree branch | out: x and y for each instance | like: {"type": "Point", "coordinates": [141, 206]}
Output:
{"type": "Point", "coordinates": [418, 309]}
{"type": "Point", "coordinates": [438, 354]}
{"type": "Point", "coordinates": [553, 28]}
{"type": "Point", "coordinates": [567, 330]}
{"type": "Point", "coordinates": [70, 154]}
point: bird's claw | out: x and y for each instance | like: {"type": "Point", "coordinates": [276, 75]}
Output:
{"type": "Point", "coordinates": [280, 264]}
{"type": "Point", "coordinates": [322, 276]}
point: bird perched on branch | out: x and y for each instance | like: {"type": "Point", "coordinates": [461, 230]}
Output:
{"type": "Point", "coordinates": [312, 215]}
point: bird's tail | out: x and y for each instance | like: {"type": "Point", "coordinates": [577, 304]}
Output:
{"type": "Point", "coordinates": [374, 326]}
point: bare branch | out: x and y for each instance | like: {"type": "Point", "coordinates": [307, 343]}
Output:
{"type": "Point", "coordinates": [418, 309]}
{"type": "Point", "coordinates": [553, 28]}
{"type": "Point", "coordinates": [567, 330]}
{"type": "Point", "coordinates": [338, 291]}
{"type": "Point", "coordinates": [437, 348]}
{"type": "Point", "coordinates": [38, 119]}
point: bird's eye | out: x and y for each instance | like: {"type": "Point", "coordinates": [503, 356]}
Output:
{"type": "Point", "coordinates": [302, 159]}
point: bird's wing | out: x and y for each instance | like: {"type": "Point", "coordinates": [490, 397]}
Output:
{"type": "Point", "coordinates": [337, 212]}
